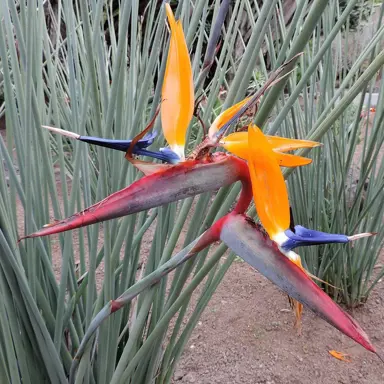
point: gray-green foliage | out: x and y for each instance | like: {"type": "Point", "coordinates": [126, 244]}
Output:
{"type": "Point", "coordinates": [111, 89]}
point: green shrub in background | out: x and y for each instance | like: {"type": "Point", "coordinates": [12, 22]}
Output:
{"type": "Point", "coordinates": [83, 83]}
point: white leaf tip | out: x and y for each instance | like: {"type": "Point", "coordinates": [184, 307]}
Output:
{"type": "Point", "coordinates": [361, 235]}
{"type": "Point", "coordinates": [62, 132]}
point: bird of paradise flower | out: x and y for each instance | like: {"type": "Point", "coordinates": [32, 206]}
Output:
{"type": "Point", "coordinates": [256, 163]}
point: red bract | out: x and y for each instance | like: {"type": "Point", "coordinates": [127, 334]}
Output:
{"type": "Point", "coordinates": [176, 182]}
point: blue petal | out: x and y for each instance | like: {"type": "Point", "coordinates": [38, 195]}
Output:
{"type": "Point", "coordinates": [120, 145]}
{"type": "Point", "coordinates": [165, 154]}
{"type": "Point", "coordinates": [305, 237]}
{"type": "Point", "coordinates": [173, 157]}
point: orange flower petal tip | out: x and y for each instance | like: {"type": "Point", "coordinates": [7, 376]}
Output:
{"type": "Point", "coordinates": [178, 90]}
{"type": "Point", "coordinates": [225, 116]}
{"type": "Point", "coordinates": [284, 144]}
{"type": "Point", "coordinates": [340, 356]}
{"type": "Point", "coordinates": [170, 16]}
{"type": "Point", "coordinates": [285, 160]}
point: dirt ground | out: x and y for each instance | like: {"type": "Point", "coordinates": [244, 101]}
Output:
{"type": "Point", "coordinates": [246, 336]}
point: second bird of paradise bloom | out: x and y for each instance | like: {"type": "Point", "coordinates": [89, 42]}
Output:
{"type": "Point", "coordinates": [202, 172]}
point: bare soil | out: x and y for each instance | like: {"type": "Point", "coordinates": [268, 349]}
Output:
{"type": "Point", "coordinates": [246, 336]}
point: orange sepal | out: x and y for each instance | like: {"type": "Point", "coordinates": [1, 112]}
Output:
{"type": "Point", "coordinates": [177, 92]}
{"type": "Point", "coordinates": [268, 185]}
{"type": "Point", "coordinates": [225, 116]}
{"type": "Point", "coordinates": [237, 143]}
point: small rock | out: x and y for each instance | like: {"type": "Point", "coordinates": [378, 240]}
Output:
{"type": "Point", "coordinates": [178, 375]}
{"type": "Point", "coordinates": [189, 378]}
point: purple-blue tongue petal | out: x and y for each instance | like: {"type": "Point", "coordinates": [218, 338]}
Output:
{"type": "Point", "coordinates": [120, 145]}
{"type": "Point", "coordinates": [168, 156]}
{"type": "Point", "coordinates": [305, 237]}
